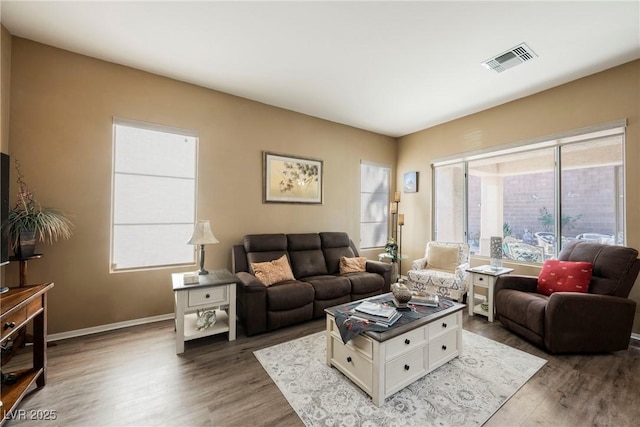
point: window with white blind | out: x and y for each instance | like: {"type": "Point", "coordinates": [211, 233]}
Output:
{"type": "Point", "coordinates": [153, 195]}
{"type": "Point", "coordinates": [374, 204]}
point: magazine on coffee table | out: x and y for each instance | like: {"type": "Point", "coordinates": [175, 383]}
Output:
{"type": "Point", "coordinates": [364, 317]}
{"type": "Point", "coordinates": [380, 311]}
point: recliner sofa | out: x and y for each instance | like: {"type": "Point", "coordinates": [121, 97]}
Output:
{"type": "Point", "coordinates": [599, 320]}
{"type": "Point", "coordinates": [314, 259]}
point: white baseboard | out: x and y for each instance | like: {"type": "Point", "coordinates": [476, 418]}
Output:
{"type": "Point", "coordinates": [635, 337]}
{"type": "Point", "coordinates": [109, 327]}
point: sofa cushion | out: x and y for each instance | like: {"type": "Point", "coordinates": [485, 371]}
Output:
{"type": "Point", "coordinates": [334, 239]}
{"type": "Point", "coordinates": [306, 255]}
{"type": "Point", "coordinates": [335, 245]}
{"type": "Point", "coordinates": [307, 263]}
{"type": "Point", "coordinates": [442, 258]}
{"type": "Point", "coordinates": [352, 265]}
{"type": "Point", "coordinates": [564, 276]}
{"type": "Point", "coordinates": [264, 242]}
{"type": "Point", "coordinates": [290, 295]}
{"type": "Point", "coordinates": [329, 287]}
{"type": "Point", "coordinates": [274, 271]}
{"type": "Point", "coordinates": [365, 283]}
{"type": "Point", "coordinates": [420, 279]}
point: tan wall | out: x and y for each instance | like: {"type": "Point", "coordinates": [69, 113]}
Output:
{"type": "Point", "coordinates": [5, 85]}
{"type": "Point", "coordinates": [62, 106]}
{"type": "Point", "coordinates": [607, 96]}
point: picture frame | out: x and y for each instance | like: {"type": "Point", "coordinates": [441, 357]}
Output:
{"type": "Point", "coordinates": [291, 179]}
{"type": "Point", "coordinates": [410, 182]}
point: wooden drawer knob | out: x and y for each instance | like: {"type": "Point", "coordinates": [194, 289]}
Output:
{"type": "Point", "coordinates": [207, 296]}
{"type": "Point", "coordinates": [9, 325]}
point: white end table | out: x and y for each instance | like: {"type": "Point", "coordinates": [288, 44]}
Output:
{"type": "Point", "coordinates": [484, 277]}
{"type": "Point", "coordinates": [216, 290]}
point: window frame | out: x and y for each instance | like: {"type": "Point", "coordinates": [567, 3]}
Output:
{"type": "Point", "coordinates": [142, 125]}
{"type": "Point", "coordinates": [557, 142]}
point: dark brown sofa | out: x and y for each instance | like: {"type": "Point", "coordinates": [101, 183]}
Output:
{"type": "Point", "coordinates": [314, 259]}
{"type": "Point", "coordinates": [568, 322]}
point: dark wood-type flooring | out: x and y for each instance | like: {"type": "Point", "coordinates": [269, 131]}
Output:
{"type": "Point", "coordinates": [132, 377]}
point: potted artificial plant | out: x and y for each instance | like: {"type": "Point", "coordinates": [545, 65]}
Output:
{"type": "Point", "coordinates": [29, 222]}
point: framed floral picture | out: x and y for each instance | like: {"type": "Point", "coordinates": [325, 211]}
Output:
{"type": "Point", "coordinates": [410, 182]}
{"type": "Point", "coordinates": [289, 179]}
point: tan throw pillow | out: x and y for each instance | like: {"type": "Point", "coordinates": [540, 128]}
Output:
{"type": "Point", "coordinates": [352, 265]}
{"type": "Point", "coordinates": [443, 258]}
{"type": "Point", "coordinates": [271, 272]}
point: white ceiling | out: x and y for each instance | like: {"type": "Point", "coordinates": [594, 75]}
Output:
{"type": "Point", "coordinates": [386, 66]}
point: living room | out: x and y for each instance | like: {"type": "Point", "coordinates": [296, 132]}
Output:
{"type": "Point", "coordinates": [57, 119]}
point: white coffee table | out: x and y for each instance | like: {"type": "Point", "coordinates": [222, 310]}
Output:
{"type": "Point", "coordinates": [382, 363]}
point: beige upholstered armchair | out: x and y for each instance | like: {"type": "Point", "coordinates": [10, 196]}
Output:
{"type": "Point", "coordinates": [442, 271]}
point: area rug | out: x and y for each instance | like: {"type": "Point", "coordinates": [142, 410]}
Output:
{"type": "Point", "coordinates": [466, 391]}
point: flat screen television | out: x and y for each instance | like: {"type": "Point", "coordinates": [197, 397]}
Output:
{"type": "Point", "coordinates": [4, 207]}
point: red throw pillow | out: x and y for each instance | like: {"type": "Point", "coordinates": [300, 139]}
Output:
{"type": "Point", "coordinates": [564, 276]}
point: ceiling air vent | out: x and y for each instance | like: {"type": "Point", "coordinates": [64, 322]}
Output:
{"type": "Point", "coordinates": [510, 58]}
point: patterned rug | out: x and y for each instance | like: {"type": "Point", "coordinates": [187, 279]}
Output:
{"type": "Point", "coordinates": [466, 391]}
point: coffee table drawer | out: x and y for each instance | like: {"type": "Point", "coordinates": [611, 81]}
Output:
{"type": "Point", "coordinates": [405, 370]}
{"type": "Point", "coordinates": [442, 326]}
{"type": "Point", "coordinates": [360, 342]}
{"type": "Point", "coordinates": [443, 349]}
{"type": "Point", "coordinates": [354, 365]}
{"type": "Point", "coordinates": [406, 342]}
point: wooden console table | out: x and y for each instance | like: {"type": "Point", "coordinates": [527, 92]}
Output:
{"type": "Point", "coordinates": [18, 307]}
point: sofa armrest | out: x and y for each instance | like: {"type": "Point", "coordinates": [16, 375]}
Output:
{"type": "Point", "coordinates": [582, 322]}
{"type": "Point", "coordinates": [383, 269]}
{"type": "Point", "coordinates": [516, 282]}
{"type": "Point", "coordinates": [377, 267]}
{"type": "Point", "coordinates": [250, 283]}
{"type": "Point", "coordinates": [252, 303]}
{"type": "Point", "coordinates": [461, 271]}
{"type": "Point", "coordinates": [419, 264]}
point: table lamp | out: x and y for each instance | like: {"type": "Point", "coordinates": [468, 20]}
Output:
{"type": "Point", "coordinates": [202, 235]}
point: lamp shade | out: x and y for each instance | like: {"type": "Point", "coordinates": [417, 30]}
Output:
{"type": "Point", "coordinates": [202, 234]}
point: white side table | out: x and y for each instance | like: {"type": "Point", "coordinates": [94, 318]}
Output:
{"type": "Point", "coordinates": [483, 277]}
{"type": "Point", "coordinates": [216, 290]}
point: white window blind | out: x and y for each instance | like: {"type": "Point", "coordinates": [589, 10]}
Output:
{"type": "Point", "coordinates": [374, 204]}
{"type": "Point", "coordinates": [154, 193]}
